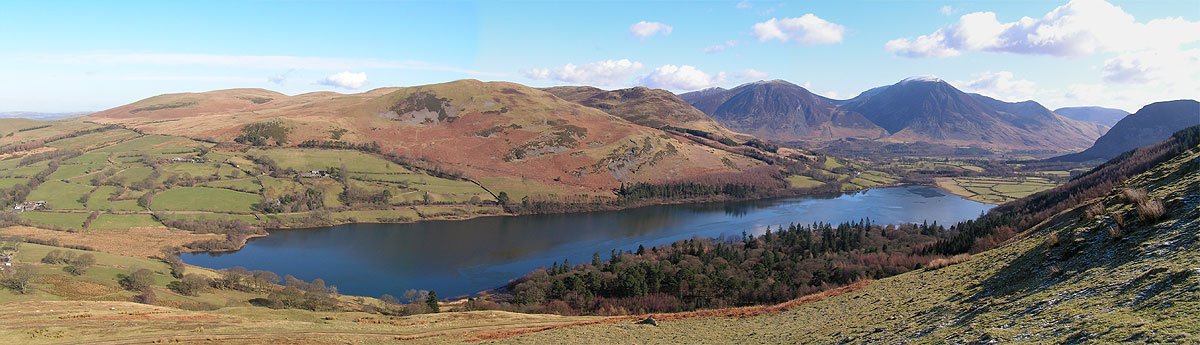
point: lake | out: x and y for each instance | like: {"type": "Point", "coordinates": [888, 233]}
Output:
{"type": "Point", "coordinates": [456, 258]}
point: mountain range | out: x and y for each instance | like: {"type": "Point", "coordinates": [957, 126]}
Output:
{"type": "Point", "coordinates": [780, 110]}
{"type": "Point", "coordinates": [1153, 123]}
{"type": "Point", "coordinates": [918, 109]}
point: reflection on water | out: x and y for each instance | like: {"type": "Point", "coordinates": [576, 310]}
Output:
{"type": "Point", "coordinates": [461, 257]}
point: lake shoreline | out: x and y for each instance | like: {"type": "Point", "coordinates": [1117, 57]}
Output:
{"type": "Point", "coordinates": [490, 251]}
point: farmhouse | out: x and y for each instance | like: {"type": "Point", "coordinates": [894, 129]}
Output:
{"type": "Point", "coordinates": [28, 206]}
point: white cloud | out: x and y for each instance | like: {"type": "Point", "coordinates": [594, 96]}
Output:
{"type": "Point", "coordinates": [1127, 96]}
{"type": "Point", "coordinates": [602, 73]}
{"type": "Point", "coordinates": [680, 78]}
{"type": "Point", "coordinates": [744, 4]}
{"type": "Point", "coordinates": [806, 30]}
{"type": "Point", "coordinates": [831, 94]}
{"type": "Point", "coordinates": [714, 49]}
{"type": "Point", "coordinates": [1079, 28]}
{"type": "Point", "coordinates": [279, 78]}
{"type": "Point", "coordinates": [1085, 92]}
{"type": "Point", "coordinates": [1000, 85]}
{"type": "Point", "coordinates": [720, 47]}
{"type": "Point", "coordinates": [751, 74]}
{"type": "Point", "coordinates": [345, 80]}
{"type": "Point", "coordinates": [268, 62]}
{"type": "Point", "coordinates": [644, 29]}
{"type": "Point", "coordinates": [947, 10]}
{"type": "Point", "coordinates": [1178, 67]}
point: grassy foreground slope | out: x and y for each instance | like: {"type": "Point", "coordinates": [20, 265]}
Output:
{"type": "Point", "coordinates": [1077, 277]}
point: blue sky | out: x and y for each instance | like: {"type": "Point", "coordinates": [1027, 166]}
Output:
{"type": "Point", "coordinates": [71, 56]}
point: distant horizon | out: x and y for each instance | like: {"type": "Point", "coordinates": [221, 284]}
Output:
{"type": "Point", "coordinates": [1118, 54]}
{"type": "Point", "coordinates": [14, 113]}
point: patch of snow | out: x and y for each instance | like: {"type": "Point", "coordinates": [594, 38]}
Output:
{"type": "Point", "coordinates": [921, 78]}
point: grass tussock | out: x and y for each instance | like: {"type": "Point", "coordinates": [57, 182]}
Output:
{"type": "Point", "coordinates": [1151, 210]}
{"type": "Point", "coordinates": [1134, 195]}
{"type": "Point", "coordinates": [1095, 210]}
{"type": "Point", "coordinates": [1115, 233]}
{"type": "Point", "coordinates": [944, 262]}
{"type": "Point", "coordinates": [1052, 241]}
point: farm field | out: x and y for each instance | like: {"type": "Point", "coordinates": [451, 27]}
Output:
{"type": "Point", "coordinates": [204, 199]}
{"type": "Point", "coordinates": [994, 190]}
{"type": "Point", "coordinates": [799, 181]}
{"type": "Point", "coordinates": [56, 219]}
{"type": "Point", "coordinates": [60, 195]}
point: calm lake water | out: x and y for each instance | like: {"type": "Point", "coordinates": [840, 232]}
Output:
{"type": "Point", "coordinates": [462, 257]}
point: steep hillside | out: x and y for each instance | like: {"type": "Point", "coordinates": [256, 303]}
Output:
{"type": "Point", "coordinates": [780, 110]}
{"type": "Point", "coordinates": [506, 136]}
{"type": "Point", "coordinates": [1148, 125]}
{"type": "Point", "coordinates": [1035, 118]}
{"type": "Point", "coordinates": [647, 107]}
{"type": "Point", "coordinates": [1101, 115]}
{"type": "Point", "coordinates": [931, 110]}
{"type": "Point", "coordinates": [707, 100]}
{"type": "Point", "coordinates": [1106, 271]}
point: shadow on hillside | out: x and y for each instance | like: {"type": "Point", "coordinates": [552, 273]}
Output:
{"type": "Point", "coordinates": [1045, 265]}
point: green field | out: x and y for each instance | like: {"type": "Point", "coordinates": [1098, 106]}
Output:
{"type": "Point", "coordinates": [8, 182]}
{"type": "Point", "coordinates": [276, 187]}
{"type": "Point", "coordinates": [800, 181]}
{"type": "Point", "coordinates": [135, 173]}
{"type": "Point", "coordinates": [90, 158]}
{"type": "Point", "coordinates": [63, 220]}
{"type": "Point", "coordinates": [248, 184]}
{"type": "Point", "coordinates": [832, 163]}
{"type": "Point", "coordinates": [69, 171]}
{"type": "Point", "coordinates": [99, 201]}
{"type": "Point", "coordinates": [995, 190]}
{"type": "Point", "coordinates": [60, 195]}
{"type": "Point", "coordinates": [204, 199]}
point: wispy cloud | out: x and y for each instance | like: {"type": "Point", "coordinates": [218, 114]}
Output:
{"type": "Point", "coordinates": [751, 74]}
{"type": "Point", "coordinates": [644, 29]}
{"type": "Point", "coordinates": [1001, 85]}
{"type": "Point", "coordinates": [345, 80]}
{"type": "Point", "coordinates": [719, 47]}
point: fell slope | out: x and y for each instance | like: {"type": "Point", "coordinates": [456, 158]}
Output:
{"type": "Point", "coordinates": [780, 110]}
{"type": "Point", "coordinates": [1067, 280]}
{"type": "Point", "coordinates": [1148, 125]}
{"type": "Point", "coordinates": [644, 106]}
{"type": "Point", "coordinates": [505, 135]}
